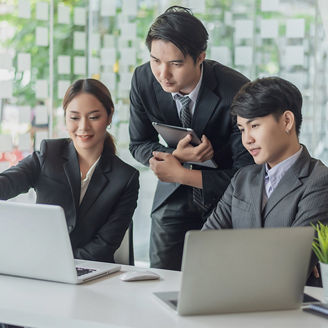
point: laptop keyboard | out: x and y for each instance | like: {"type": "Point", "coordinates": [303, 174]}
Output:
{"type": "Point", "coordinates": [82, 271]}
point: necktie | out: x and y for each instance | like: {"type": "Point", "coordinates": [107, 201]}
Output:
{"type": "Point", "coordinates": [185, 117]}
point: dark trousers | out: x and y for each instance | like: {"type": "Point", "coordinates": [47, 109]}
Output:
{"type": "Point", "coordinates": [170, 222]}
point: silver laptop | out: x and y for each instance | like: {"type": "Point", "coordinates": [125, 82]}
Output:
{"type": "Point", "coordinates": [242, 270]}
{"type": "Point", "coordinates": [34, 243]}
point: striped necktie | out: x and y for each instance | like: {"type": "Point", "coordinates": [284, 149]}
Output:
{"type": "Point", "coordinates": [185, 115]}
{"type": "Point", "coordinates": [186, 118]}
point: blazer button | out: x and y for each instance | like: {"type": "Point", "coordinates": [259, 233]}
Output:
{"type": "Point", "coordinates": [70, 228]}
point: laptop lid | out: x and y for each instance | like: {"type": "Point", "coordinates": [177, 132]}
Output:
{"type": "Point", "coordinates": [34, 242]}
{"type": "Point", "coordinates": [243, 270]}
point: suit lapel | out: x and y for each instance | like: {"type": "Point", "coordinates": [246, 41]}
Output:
{"type": "Point", "coordinates": [72, 172]}
{"type": "Point", "coordinates": [256, 195]}
{"type": "Point", "coordinates": [98, 182]}
{"type": "Point", "coordinates": [207, 100]}
{"type": "Point", "coordinates": [166, 104]}
{"type": "Point", "coordinates": [290, 181]}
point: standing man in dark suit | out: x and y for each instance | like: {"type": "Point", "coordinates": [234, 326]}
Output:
{"type": "Point", "coordinates": [179, 87]}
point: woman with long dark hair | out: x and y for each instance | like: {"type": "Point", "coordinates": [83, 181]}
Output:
{"type": "Point", "coordinates": [82, 174]}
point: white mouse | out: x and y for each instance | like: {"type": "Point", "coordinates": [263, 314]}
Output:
{"type": "Point", "coordinates": [139, 275]}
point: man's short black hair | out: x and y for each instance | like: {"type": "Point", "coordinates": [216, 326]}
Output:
{"type": "Point", "coordinates": [265, 96]}
{"type": "Point", "coordinates": [179, 26]}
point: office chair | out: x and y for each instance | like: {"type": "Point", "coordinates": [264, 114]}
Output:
{"type": "Point", "coordinates": [125, 254]}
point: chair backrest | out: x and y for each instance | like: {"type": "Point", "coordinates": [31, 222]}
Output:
{"type": "Point", "coordinates": [125, 254]}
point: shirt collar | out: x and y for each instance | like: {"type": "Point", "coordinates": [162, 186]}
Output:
{"type": "Point", "coordinates": [277, 172]}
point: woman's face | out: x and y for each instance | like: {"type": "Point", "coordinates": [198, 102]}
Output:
{"type": "Point", "coordinates": [86, 122]}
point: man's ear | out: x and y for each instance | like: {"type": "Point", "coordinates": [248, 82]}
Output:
{"type": "Point", "coordinates": [201, 57]}
{"type": "Point", "coordinates": [289, 121]}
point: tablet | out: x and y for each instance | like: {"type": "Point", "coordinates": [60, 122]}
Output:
{"type": "Point", "coordinates": [173, 134]}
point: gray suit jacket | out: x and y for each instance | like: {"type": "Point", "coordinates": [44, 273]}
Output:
{"type": "Point", "coordinates": [300, 198]}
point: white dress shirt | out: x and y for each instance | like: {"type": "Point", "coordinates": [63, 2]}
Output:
{"type": "Point", "coordinates": [85, 182]}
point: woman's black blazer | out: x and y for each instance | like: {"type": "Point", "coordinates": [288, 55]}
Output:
{"type": "Point", "coordinates": [98, 225]}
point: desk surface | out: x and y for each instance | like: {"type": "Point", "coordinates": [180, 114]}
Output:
{"type": "Point", "coordinates": [110, 302]}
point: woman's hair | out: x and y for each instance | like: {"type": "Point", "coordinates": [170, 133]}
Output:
{"type": "Point", "coordinates": [98, 90]}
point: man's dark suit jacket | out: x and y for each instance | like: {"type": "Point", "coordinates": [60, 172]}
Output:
{"type": "Point", "coordinates": [98, 225]}
{"type": "Point", "coordinates": [150, 103]}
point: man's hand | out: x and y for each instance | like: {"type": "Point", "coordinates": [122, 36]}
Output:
{"type": "Point", "coordinates": [316, 272]}
{"type": "Point", "coordinates": [166, 167]}
{"type": "Point", "coordinates": [169, 169]}
{"type": "Point", "coordinates": [185, 152]}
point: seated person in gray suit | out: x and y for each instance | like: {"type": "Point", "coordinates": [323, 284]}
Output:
{"type": "Point", "coordinates": [82, 174]}
{"type": "Point", "coordinates": [286, 187]}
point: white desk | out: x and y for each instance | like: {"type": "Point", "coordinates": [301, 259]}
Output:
{"type": "Point", "coordinates": [110, 302]}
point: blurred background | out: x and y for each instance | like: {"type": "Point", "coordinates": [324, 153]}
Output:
{"type": "Point", "coordinates": [46, 45]}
